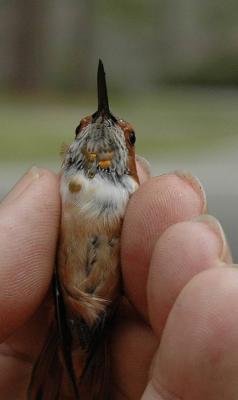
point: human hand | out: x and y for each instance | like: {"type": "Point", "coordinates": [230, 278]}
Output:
{"type": "Point", "coordinates": [179, 277]}
{"type": "Point", "coordinates": [29, 222]}
{"type": "Point", "coordinates": [172, 277]}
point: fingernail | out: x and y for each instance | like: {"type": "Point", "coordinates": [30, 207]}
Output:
{"type": "Point", "coordinates": [143, 169]}
{"type": "Point", "coordinates": [144, 164]}
{"type": "Point", "coordinates": [22, 185]}
{"type": "Point", "coordinates": [34, 172]}
{"type": "Point", "coordinates": [215, 226]}
{"type": "Point", "coordinates": [195, 183]}
{"type": "Point", "coordinates": [32, 175]}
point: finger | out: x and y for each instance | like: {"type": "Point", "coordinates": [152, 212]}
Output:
{"type": "Point", "coordinates": [133, 345]}
{"type": "Point", "coordinates": [198, 244]}
{"type": "Point", "coordinates": [21, 185]}
{"type": "Point", "coordinates": [198, 355]}
{"type": "Point", "coordinates": [157, 204]}
{"type": "Point", "coordinates": [184, 250]}
{"type": "Point", "coordinates": [143, 169]}
{"type": "Point", "coordinates": [28, 235]}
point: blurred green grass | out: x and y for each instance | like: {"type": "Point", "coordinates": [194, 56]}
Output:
{"type": "Point", "coordinates": [173, 120]}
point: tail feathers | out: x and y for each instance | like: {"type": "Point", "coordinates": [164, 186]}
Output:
{"type": "Point", "coordinates": [94, 380]}
{"type": "Point", "coordinates": [95, 377]}
{"type": "Point", "coordinates": [87, 306]}
{"type": "Point", "coordinates": [100, 374]}
{"type": "Point", "coordinates": [46, 375]}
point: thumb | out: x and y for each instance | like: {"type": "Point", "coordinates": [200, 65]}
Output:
{"type": "Point", "coordinates": [29, 218]}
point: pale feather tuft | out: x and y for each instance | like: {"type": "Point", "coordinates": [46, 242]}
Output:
{"type": "Point", "coordinates": [99, 197]}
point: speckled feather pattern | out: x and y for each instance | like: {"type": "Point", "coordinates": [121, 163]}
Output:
{"type": "Point", "coordinates": [99, 137]}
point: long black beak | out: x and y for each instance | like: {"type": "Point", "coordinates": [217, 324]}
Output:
{"type": "Point", "coordinates": [103, 106]}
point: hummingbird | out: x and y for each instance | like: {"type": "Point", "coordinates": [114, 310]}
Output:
{"type": "Point", "coordinates": [97, 179]}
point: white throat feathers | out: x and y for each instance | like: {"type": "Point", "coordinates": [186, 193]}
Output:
{"type": "Point", "coordinates": [97, 197]}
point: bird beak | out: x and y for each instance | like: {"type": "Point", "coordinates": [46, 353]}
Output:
{"type": "Point", "coordinates": [103, 106]}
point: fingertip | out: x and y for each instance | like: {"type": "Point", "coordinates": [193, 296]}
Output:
{"type": "Point", "coordinates": [23, 184]}
{"type": "Point", "coordinates": [196, 185]}
{"type": "Point", "coordinates": [28, 236]}
{"type": "Point", "coordinates": [183, 250]}
{"type": "Point", "coordinates": [143, 169]}
{"type": "Point", "coordinates": [197, 357]}
{"type": "Point", "coordinates": [157, 204]}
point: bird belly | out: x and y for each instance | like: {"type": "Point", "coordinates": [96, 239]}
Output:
{"type": "Point", "coordinates": [88, 263]}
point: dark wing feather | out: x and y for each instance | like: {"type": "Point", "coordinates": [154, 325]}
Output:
{"type": "Point", "coordinates": [65, 335]}
{"type": "Point", "coordinates": [95, 376]}
{"type": "Point", "coordinates": [46, 375]}
{"type": "Point", "coordinates": [93, 384]}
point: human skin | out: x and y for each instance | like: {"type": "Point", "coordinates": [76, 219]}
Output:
{"type": "Point", "coordinates": [176, 333]}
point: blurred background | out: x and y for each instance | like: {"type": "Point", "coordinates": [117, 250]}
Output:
{"type": "Point", "coordinates": [172, 70]}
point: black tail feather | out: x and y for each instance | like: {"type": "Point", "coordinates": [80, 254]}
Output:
{"type": "Point", "coordinates": [47, 372]}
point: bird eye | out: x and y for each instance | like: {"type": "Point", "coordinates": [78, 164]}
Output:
{"type": "Point", "coordinates": [77, 130]}
{"type": "Point", "coordinates": [132, 137]}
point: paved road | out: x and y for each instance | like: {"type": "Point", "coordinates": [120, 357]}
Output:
{"type": "Point", "coordinates": [218, 173]}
